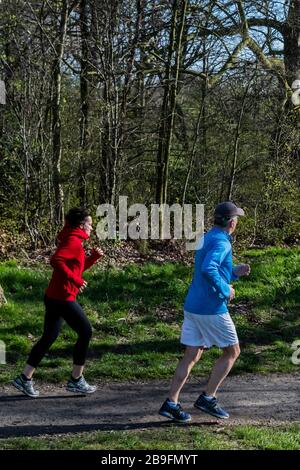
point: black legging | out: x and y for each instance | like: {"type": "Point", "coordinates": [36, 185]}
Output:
{"type": "Point", "coordinates": [73, 314]}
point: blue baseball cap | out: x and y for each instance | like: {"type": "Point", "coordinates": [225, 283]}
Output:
{"type": "Point", "coordinates": [228, 209]}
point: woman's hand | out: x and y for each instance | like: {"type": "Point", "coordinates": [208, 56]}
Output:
{"type": "Point", "coordinates": [81, 289]}
{"type": "Point", "coordinates": [99, 251]}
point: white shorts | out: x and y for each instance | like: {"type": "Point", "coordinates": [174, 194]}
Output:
{"type": "Point", "coordinates": [208, 330]}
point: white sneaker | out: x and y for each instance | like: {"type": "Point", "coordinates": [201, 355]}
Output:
{"type": "Point", "coordinates": [25, 386]}
{"type": "Point", "coordinates": [81, 386]}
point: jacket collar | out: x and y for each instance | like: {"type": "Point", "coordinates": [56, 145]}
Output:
{"type": "Point", "coordinates": [69, 231]}
{"type": "Point", "coordinates": [226, 234]}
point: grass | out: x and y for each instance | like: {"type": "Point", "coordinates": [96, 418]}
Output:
{"type": "Point", "coordinates": [136, 313]}
{"type": "Point", "coordinates": [168, 438]}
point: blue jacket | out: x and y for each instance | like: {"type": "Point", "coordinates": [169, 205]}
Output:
{"type": "Point", "coordinates": [210, 288]}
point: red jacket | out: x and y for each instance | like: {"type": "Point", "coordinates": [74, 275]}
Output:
{"type": "Point", "coordinates": [69, 262]}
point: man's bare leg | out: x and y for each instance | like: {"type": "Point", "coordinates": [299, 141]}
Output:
{"type": "Point", "coordinates": [191, 357]}
{"type": "Point", "coordinates": [221, 368]}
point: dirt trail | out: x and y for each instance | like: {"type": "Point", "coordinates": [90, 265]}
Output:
{"type": "Point", "coordinates": [252, 399]}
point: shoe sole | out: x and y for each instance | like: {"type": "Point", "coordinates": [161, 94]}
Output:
{"type": "Point", "coordinates": [204, 410]}
{"type": "Point", "coordinates": [78, 391]}
{"type": "Point", "coordinates": [21, 389]}
{"type": "Point", "coordinates": [168, 415]}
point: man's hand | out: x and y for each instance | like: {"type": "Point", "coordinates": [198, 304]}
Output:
{"type": "Point", "coordinates": [242, 270]}
{"type": "Point", "coordinates": [99, 251]}
{"type": "Point", "coordinates": [81, 289]}
{"type": "Point", "coordinates": [232, 293]}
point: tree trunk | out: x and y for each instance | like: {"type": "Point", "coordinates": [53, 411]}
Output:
{"type": "Point", "coordinates": [291, 35]}
{"type": "Point", "coordinates": [236, 143]}
{"type": "Point", "coordinates": [201, 122]}
{"type": "Point", "coordinates": [112, 122]}
{"type": "Point", "coordinates": [169, 98]}
{"type": "Point", "coordinates": [56, 114]}
{"type": "Point", "coordinates": [84, 98]}
{"type": "Point", "coordinates": [2, 297]}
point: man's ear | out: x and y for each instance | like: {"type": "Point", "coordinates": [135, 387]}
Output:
{"type": "Point", "coordinates": [225, 222]}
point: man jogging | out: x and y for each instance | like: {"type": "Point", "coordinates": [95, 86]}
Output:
{"type": "Point", "coordinates": [206, 318]}
{"type": "Point", "coordinates": [69, 262]}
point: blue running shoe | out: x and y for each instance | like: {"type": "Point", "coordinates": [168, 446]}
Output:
{"type": "Point", "coordinates": [210, 406]}
{"type": "Point", "coordinates": [175, 413]}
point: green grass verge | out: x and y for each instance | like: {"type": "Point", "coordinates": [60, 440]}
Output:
{"type": "Point", "coordinates": [168, 438]}
{"type": "Point", "coordinates": [136, 313]}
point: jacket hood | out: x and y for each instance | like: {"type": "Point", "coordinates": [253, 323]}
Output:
{"type": "Point", "coordinates": [69, 231]}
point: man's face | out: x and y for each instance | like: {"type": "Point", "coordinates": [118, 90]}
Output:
{"type": "Point", "coordinates": [87, 226]}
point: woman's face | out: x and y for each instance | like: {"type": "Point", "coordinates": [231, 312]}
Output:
{"type": "Point", "coordinates": [87, 226]}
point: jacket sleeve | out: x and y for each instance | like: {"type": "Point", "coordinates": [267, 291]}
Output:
{"type": "Point", "coordinates": [65, 252]}
{"type": "Point", "coordinates": [90, 260]}
{"type": "Point", "coordinates": [234, 277]}
{"type": "Point", "coordinates": [210, 268]}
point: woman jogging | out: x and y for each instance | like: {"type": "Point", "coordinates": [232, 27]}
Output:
{"type": "Point", "coordinates": [68, 262]}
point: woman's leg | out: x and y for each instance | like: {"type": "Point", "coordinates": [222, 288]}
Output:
{"type": "Point", "coordinates": [52, 325]}
{"type": "Point", "coordinates": [28, 371]}
{"type": "Point", "coordinates": [77, 320]}
{"type": "Point", "coordinates": [77, 371]}
{"type": "Point", "coordinates": [75, 317]}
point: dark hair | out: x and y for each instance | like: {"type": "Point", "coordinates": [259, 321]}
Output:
{"type": "Point", "coordinates": [221, 221]}
{"type": "Point", "coordinates": [76, 216]}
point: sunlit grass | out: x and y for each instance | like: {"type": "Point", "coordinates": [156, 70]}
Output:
{"type": "Point", "coordinates": [136, 313]}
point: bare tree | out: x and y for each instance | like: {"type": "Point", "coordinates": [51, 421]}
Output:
{"type": "Point", "coordinates": [170, 86]}
{"type": "Point", "coordinates": [66, 9]}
